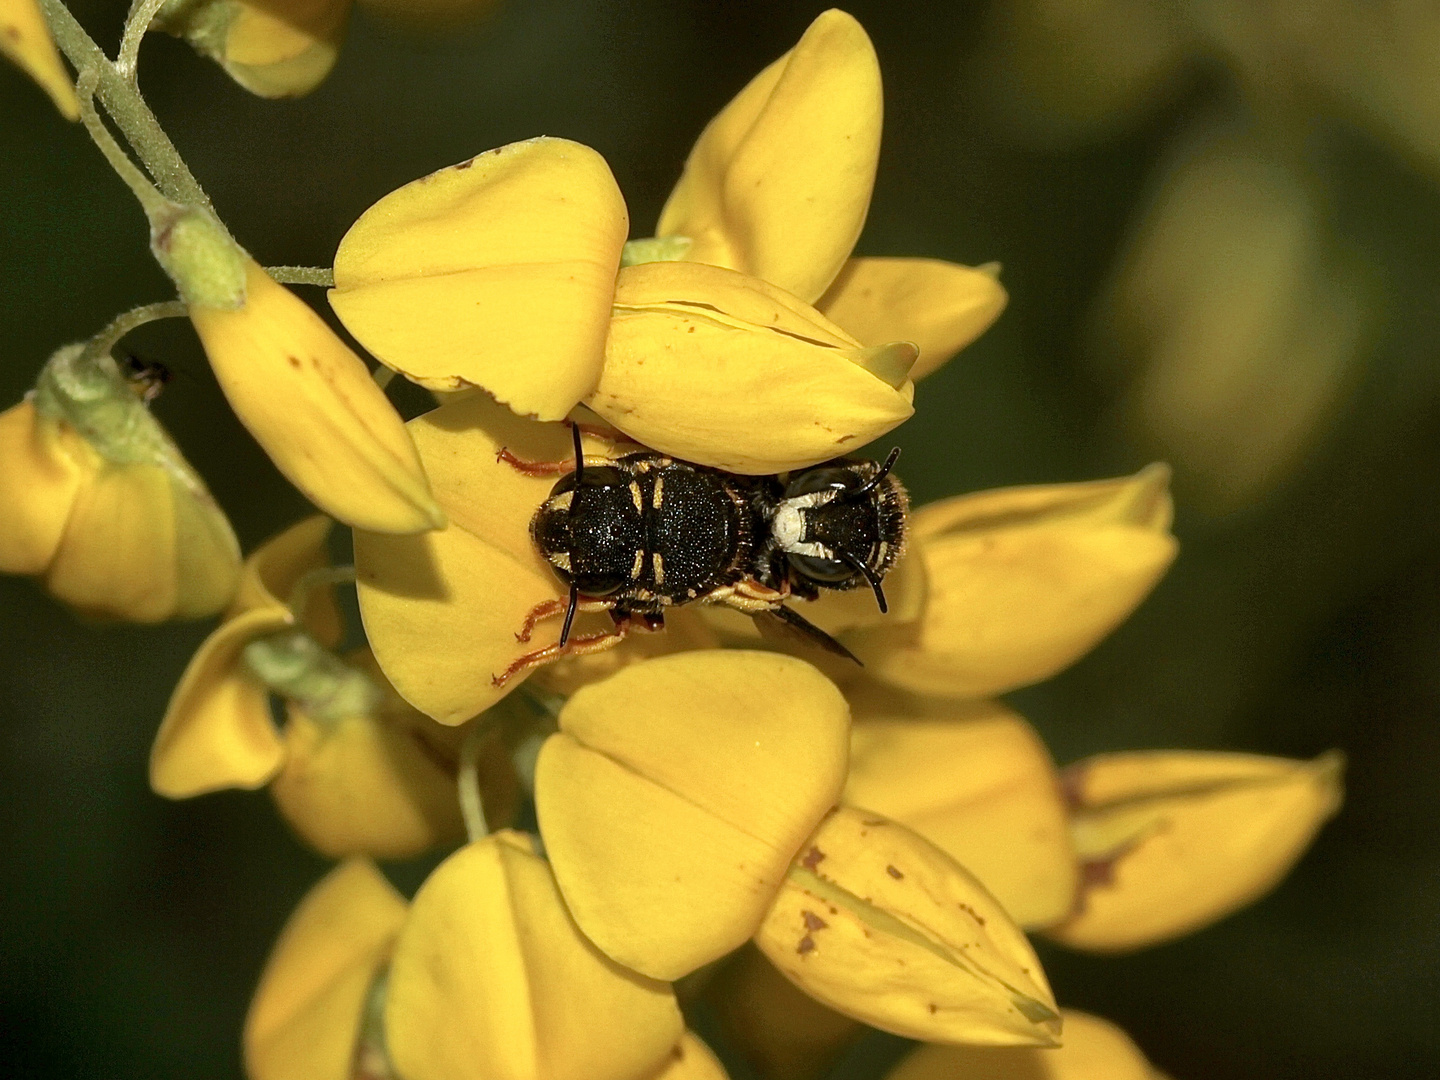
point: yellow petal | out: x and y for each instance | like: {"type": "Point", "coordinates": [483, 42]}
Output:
{"type": "Point", "coordinates": [217, 732]}
{"type": "Point", "coordinates": [1175, 840]}
{"type": "Point", "coordinates": [313, 407]}
{"type": "Point", "coordinates": [975, 780]}
{"type": "Point", "coordinates": [1094, 1049]}
{"type": "Point", "coordinates": [497, 272]}
{"type": "Point", "coordinates": [145, 543]}
{"type": "Point", "coordinates": [725, 370]}
{"type": "Point", "coordinates": [940, 306]}
{"type": "Point", "coordinates": [304, 1020]}
{"type": "Point", "coordinates": [25, 39]}
{"type": "Point", "coordinates": [780, 1030]}
{"type": "Point", "coordinates": [686, 629]}
{"type": "Point", "coordinates": [380, 785]}
{"type": "Point", "coordinates": [43, 464]}
{"type": "Point", "coordinates": [1023, 582]}
{"type": "Point", "coordinates": [442, 610]}
{"type": "Point", "coordinates": [880, 924]}
{"type": "Point", "coordinates": [691, 1059]}
{"type": "Point", "coordinates": [779, 182]}
{"type": "Point", "coordinates": [491, 980]}
{"type": "Point", "coordinates": [669, 838]}
{"type": "Point", "coordinates": [272, 576]}
{"type": "Point", "coordinates": [273, 48]}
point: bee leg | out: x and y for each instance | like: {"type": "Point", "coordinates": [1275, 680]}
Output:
{"type": "Point", "coordinates": [534, 468]}
{"type": "Point", "coordinates": [582, 645]}
{"type": "Point", "coordinates": [549, 609]}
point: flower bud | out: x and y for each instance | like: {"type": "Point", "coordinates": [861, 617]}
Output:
{"type": "Point", "coordinates": [305, 1019]}
{"type": "Point", "coordinates": [781, 1031]}
{"type": "Point", "coordinates": [311, 404]}
{"type": "Point", "coordinates": [25, 39]}
{"type": "Point", "coordinates": [670, 838]}
{"type": "Point", "coordinates": [516, 248]}
{"type": "Point", "coordinates": [1174, 840]}
{"type": "Point", "coordinates": [974, 779]}
{"type": "Point", "coordinates": [491, 980]}
{"type": "Point", "coordinates": [1094, 1049]}
{"type": "Point", "coordinates": [779, 182]}
{"type": "Point", "coordinates": [939, 306]}
{"type": "Point", "coordinates": [878, 923]}
{"type": "Point", "coordinates": [97, 501]}
{"type": "Point", "coordinates": [715, 367]}
{"type": "Point", "coordinates": [444, 611]}
{"type": "Point", "coordinates": [1022, 582]}
{"type": "Point", "coordinates": [273, 48]}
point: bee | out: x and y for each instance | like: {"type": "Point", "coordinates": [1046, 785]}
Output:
{"type": "Point", "coordinates": [647, 532]}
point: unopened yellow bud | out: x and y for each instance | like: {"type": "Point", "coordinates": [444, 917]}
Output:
{"type": "Point", "coordinates": [940, 306]}
{"type": "Point", "coordinates": [305, 1019]}
{"type": "Point", "coordinates": [878, 923]}
{"type": "Point", "coordinates": [311, 404]}
{"type": "Point", "coordinates": [491, 980]}
{"type": "Point", "coordinates": [25, 39]}
{"type": "Point", "coordinates": [974, 779]}
{"type": "Point", "coordinates": [273, 48]}
{"type": "Point", "coordinates": [496, 272]}
{"type": "Point", "coordinates": [727, 370]}
{"type": "Point", "coordinates": [1174, 840]}
{"type": "Point", "coordinates": [782, 1032]}
{"type": "Point", "coordinates": [1022, 582]}
{"type": "Point", "coordinates": [97, 500]}
{"type": "Point", "coordinates": [670, 838]}
{"type": "Point", "coordinates": [1094, 1049]}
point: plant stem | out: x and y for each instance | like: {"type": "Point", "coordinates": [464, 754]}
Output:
{"type": "Point", "coordinates": [127, 108]}
{"type": "Point", "coordinates": [472, 807]}
{"type": "Point", "coordinates": [137, 25]}
{"type": "Point", "coordinates": [150, 199]}
{"type": "Point", "coordinates": [106, 339]}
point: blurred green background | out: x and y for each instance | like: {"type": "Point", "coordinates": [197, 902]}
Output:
{"type": "Point", "coordinates": [1304, 611]}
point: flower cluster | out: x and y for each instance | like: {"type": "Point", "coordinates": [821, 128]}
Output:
{"type": "Point", "coordinates": [715, 810]}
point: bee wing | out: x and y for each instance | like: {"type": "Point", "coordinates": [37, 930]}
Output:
{"type": "Point", "coordinates": [783, 624]}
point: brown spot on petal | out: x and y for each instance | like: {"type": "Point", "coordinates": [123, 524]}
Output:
{"type": "Point", "coordinates": [812, 858]}
{"type": "Point", "coordinates": [294, 362]}
{"type": "Point", "coordinates": [896, 874]}
{"type": "Point", "coordinates": [813, 922]}
{"type": "Point", "coordinates": [973, 913]}
{"type": "Point", "coordinates": [807, 944]}
{"type": "Point", "coordinates": [465, 164]}
{"type": "Point", "coordinates": [934, 1008]}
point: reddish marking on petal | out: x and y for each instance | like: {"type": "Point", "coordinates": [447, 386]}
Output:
{"type": "Point", "coordinates": [896, 874]}
{"type": "Point", "coordinates": [813, 922]}
{"type": "Point", "coordinates": [807, 944]}
{"type": "Point", "coordinates": [812, 858]}
{"type": "Point", "coordinates": [973, 913]}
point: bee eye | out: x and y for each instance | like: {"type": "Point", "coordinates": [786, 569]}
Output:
{"type": "Point", "coordinates": [826, 571]}
{"type": "Point", "coordinates": [812, 480]}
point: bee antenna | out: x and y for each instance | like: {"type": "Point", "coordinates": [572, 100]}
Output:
{"type": "Point", "coordinates": [868, 574]}
{"type": "Point", "coordinates": [873, 482]}
{"type": "Point", "coordinates": [579, 451]}
{"type": "Point", "coordinates": [569, 614]}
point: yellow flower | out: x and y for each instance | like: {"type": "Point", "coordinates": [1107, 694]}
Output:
{"type": "Point", "coordinates": [97, 501]}
{"type": "Point", "coordinates": [1094, 1049]}
{"type": "Point", "coordinates": [492, 980]}
{"type": "Point", "coordinates": [308, 400]}
{"type": "Point", "coordinates": [1022, 582]}
{"type": "Point", "coordinates": [670, 838]}
{"type": "Point", "coordinates": [356, 770]}
{"type": "Point", "coordinates": [1174, 840]}
{"type": "Point", "coordinates": [520, 246]}
{"type": "Point", "coordinates": [878, 923]}
{"type": "Point", "coordinates": [25, 39]}
{"type": "Point", "coordinates": [273, 48]}
{"type": "Point", "coordinates": [975, 780]}
{"type": "Point", "coordinates": [306, 1016]}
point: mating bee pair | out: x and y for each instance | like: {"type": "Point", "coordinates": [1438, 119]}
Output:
{"type": "Point", "coordinates": [646, 532]}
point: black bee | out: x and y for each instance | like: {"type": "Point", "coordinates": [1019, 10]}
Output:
{"type": "Point", "coordinates": [647, 532]}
